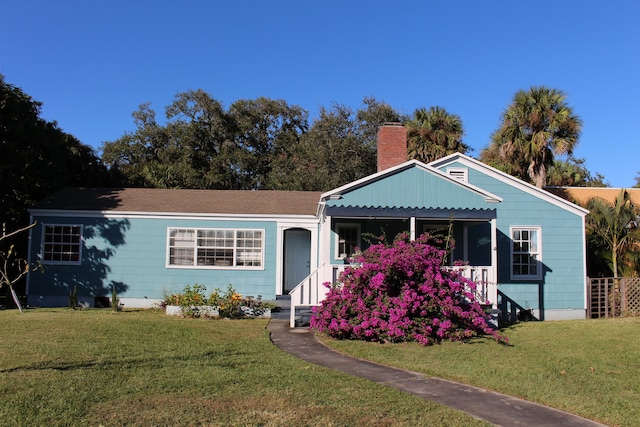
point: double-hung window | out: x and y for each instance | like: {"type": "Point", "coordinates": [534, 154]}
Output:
{"type": "Point", "coordinates": [348, 239]}
{"type": "Point", "coordinates": [211, 247]}
{"type": "Point", "coordinates": [526, 253]}
{"type": "Point", "coordinates": [61, 244]}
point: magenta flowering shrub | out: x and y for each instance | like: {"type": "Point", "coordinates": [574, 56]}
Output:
{"type": "Point", "coordinates": [399, 293]}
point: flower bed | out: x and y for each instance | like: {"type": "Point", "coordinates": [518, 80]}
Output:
{"type": "Point", "coordinates": [213, 312]}
{"type": "Point", "coordinates": [192, 302]}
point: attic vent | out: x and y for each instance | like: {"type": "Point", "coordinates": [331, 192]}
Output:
{"type": "Point", "coordinates": [459, 174]}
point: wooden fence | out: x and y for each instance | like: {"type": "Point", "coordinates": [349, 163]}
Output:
{"type": "Point", "coordinates": [609, 297]}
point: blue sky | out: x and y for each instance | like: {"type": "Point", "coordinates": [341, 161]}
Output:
{"type": "Point", "coordinates": [92, 63]}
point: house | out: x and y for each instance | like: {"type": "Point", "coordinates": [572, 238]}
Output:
{"type": "Point", "coordinates": [582, 195]}
{"type": "Point", "coordinates": [524, 246]}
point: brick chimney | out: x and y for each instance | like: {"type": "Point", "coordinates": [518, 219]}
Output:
{"type": "Point", "coordinates": [392, 145]}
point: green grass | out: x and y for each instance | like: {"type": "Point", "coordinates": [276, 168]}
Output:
{"type": "Point", "coordinates": [97, 367]}
{"type": "Point", "coordinates": [587, 367]}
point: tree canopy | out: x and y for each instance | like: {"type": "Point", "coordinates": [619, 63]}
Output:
{"type": "Point", "coordinates": [613, 233]}
{"type": "Point", "coordinates": [536, 126]}
{"type": "Point", "coordinates": [255, 144]}
{"type": "Point", "coordinates": [434, 133]}
{"type": "Point", "coordinates": [573, 172]}
{"type": "Point", "coordinates": [38, 158]}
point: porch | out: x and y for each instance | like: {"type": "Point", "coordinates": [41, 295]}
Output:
{"type": "Point", "coordinates": [311, 291]}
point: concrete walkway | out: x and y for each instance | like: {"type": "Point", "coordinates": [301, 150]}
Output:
{"type": "Point", "coordinates": [494, 408]}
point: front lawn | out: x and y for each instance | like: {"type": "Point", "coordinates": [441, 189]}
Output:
{"type": "Point", "coordinates": [97, 367]}
{"type": "Point", "coordinates": [587, 367]}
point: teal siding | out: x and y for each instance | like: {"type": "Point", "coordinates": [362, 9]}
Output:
{"type": "Point", "coordinates": [412, 188]}
{"type": "Point", "coordinates": [131, 253]}
{"type": "Point", "coordinates": [562, 286]}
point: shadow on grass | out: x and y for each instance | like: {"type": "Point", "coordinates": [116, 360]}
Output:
{"type": "Point", "coordinates": [224, 361]}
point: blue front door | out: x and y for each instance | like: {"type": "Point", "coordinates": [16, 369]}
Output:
{"type": "Point", "coordinates": [297, 257]}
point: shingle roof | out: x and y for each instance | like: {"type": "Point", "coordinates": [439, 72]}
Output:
{"type": "Point", "coordinates": [581, 195]}
{"type": "Point", "coordinates": [146, 200]}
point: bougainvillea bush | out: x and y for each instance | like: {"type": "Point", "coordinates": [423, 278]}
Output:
{"type": "Point", "coordinates": [399, 292]}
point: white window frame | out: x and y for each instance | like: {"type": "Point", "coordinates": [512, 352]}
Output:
{"type": "Point", "coordinates": [461, 174]}
{"type": "Point", "coordinates": [252, 254]}
{"type": "Point", "coordinates": [535, 251]}
{"type": "Point", "coordinates": [338, 240]}
{"type": "Point", "coordinates": [63, 251]}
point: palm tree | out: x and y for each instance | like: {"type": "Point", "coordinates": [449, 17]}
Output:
{"type": "Point", "coordinates": [434, 133]}
{"type": "Point", "coordinates": [614, 227]}
{"type": "Point", "coordinates": [536, 126]}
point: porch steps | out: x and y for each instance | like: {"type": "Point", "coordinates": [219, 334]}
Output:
{"type": "Point", "coordinates": [302, 316]}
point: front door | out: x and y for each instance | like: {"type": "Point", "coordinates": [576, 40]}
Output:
{"type": "Point", "coordinates": [297, 257]}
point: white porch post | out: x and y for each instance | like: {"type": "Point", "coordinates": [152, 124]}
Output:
{"type": "Point", "coordinates": [279, 260]}
{"type": "Point", "coordinates": [412, 228]}
{"type": "Point", "coordinates": [325, 242]}
{"type": "Point", "coordinates": [494, 263]}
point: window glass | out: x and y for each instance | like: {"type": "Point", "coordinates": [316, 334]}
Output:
{"type": "Point", "coordinates": [348, 240]}
{"type": "Point", "coordinates": [216, 248]}
{"type": "Point", "coordinates": [525, 255]}
{"type": "Point", "coordinates": [61, 244]}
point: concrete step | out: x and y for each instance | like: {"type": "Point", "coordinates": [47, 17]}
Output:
{"type": "Point", "coordinates": [283, 301]}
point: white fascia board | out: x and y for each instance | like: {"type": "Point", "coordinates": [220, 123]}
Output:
{"type": "Point", "coordinates": [367, 179]}
{"type": "Point", "coordinates": [171, 215]}
{"type": "Point", "coordinates": [489, 197]}
{"type": "Point", "coordinates": [510, 180]}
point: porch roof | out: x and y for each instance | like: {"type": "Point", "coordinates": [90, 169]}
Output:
{"type": "Point", "coordinates": [399, 212]}
{"type": "Point", "coordinates": [411, 190]}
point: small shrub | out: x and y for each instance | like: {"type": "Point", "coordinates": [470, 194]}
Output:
{"type": "Point", "coordinates": [228, 303]}
{"type": "Point", "coordinates": [399, 292]}
{"type": "Point", "coordinates": [256, 306]}
{"type": "Point", "coordinates": [73, 298]}
{"type": "Point", "coordinates": [191, 298]}
{"type": "Point", "coordinates": [170, 299]}
{"type": "Point", "coordinates": [115, 301]}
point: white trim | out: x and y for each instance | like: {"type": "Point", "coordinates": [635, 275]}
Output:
{"type": "Point", "coordinates": [461, 174]}
{"type": "Point", "coordinates": [489, 197]}
{"type": "Point", "coordinates": [195, 265]}
{"type": "Point", "coordinates": [539, 266]}
{"type": "Point", "coordinates": [325, 241]}
{"type": "Point", "coordinates": [510, 180]}
{"type": "Point", "coordinates": [412, 228]}
{"type": "Point", "coordinates": [313, 260]}
{"type": "Point", "coordinates": [163, 215]}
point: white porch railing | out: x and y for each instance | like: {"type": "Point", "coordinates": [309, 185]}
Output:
{"type": "Point", "coordinates": [486, 289]}
{"type": "Point", "coordinates": [311, 292]}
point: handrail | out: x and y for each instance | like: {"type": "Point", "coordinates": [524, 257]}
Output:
{"type": "Point", "coordinates": [308, 292]}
